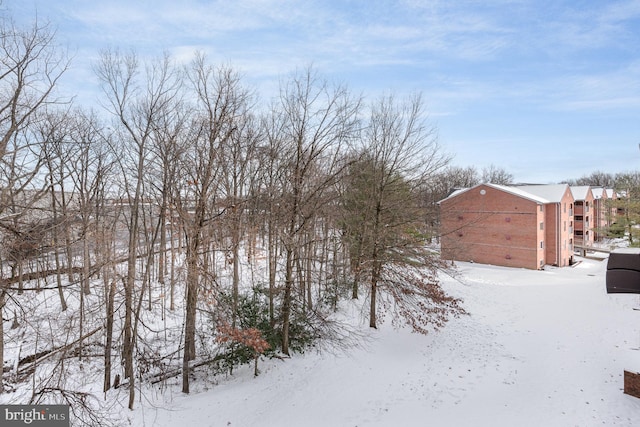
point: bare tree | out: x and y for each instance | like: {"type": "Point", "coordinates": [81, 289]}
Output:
{"type": "Point", "coordinates": [236, 155]}
{"type": "Point", "coordinates": [384, 217]}
{"type": "Point", "coordinates": [220, 103]}
{"type": "Point", "coordinates": [170, 140]}
{"type": "Point", "coordinates": [30, 67]}
{"type": "Point", "coordinates": [52, 132]}
{"type": "Point", "coordinates": [595, 179]}
{"type": "Point", "coordinates": [496, 175]}
{"type": "Point", "coordinates": [135, 107]}
{"type": "Point", "coordinates": [316, 122]}
{"type": "Point", "coordinates": [268, 200]}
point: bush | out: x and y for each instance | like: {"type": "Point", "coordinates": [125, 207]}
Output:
{"type": "Point", "coordinates": [616, 230]}
{"type": "Point", "coordinates": [253, 313]}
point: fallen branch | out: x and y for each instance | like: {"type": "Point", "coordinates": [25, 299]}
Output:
{"type": "Point", "coordinates": [157, 378]}
{"type": "Point", "coordinates": [29, 361]}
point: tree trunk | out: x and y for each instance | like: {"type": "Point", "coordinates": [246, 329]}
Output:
{"type": "Point", "coordinates": [190, 315]}
{"type": "Point", "coordinates": [272, 269]}
{"type": "Point", "coordinates": [162, 256]}
{"type": "Point", "coordinates": [1, 340]}
{"type": "Point", "coordinates": [129, 338]}
{"type": "Point", "coordinates": [374, 289]}
{"type": "Point", "coordinates": [56, 246]}
{"type": "Point", "coordinates": [308, 261]}
{"type": "Point", "coordinates": [63, 302]}
{"type": "Point", "coordinates": [86, 279]}
{"type": "Point", "coordinates": [67, 236]}
{"type": "Point", "coordinates": [81, 318]}
{"type": "Point", "coordinates": [110, 288]}
{"type": "Point", "coordinates": [172, 278]}
{"type": "Point", "coordinates": [286, 300]}
{"type": "Point", "coordinates": [236, 266]}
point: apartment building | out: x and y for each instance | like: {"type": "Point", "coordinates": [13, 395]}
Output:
{"type": "Point", "coordinates": [584, 215]}
{"type": "Point", "coordinates": [601, 220]}
{"type": "Point", "coordinates": [512, 226]}
{"type": "Point", "coordinates": [559, 219]}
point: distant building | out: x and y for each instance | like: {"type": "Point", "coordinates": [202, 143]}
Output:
{"type": "Point", "coordinates": [526, 226]}
{"type": "Point", "coordinates": [601, 216]}
{"type": "Point", "coordinates": [559, 221]}
{"type": "Point", "coordinates": [584, 215]}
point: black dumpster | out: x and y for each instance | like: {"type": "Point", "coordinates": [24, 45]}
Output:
{"type": "Point", "coordinates": [623, 271]}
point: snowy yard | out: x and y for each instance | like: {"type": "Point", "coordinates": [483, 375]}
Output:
{"type": "Point", "coordinates": [538, 348]}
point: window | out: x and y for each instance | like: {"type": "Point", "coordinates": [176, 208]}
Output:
{"type": "Point", "coordinates": [541, 244]}
{"type": "Point", "coordinates": [541, 208]}
{"type": "Point", "coordinates": [565, 208]}
{"type": "Point", "coordinates": [542, 226]}
{"type": "Point", "coordinates": [565, 225]}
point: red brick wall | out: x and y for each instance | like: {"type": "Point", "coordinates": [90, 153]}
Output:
{"type": "Point", "coordinates": [589, 213]}
{"type": "Point", "coordinates": [553, 227]}
{"type": "Point", "coordinates": [566, 235]}
{"type": "Point", "coordinates": [496, 228]}
{"type": "Point", "coordinates": [586, 209]}
{"type": "Point", "coordinates": [558, 237]}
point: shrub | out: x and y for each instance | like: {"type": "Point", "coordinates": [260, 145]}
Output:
{"type": "Point", "coordinates": [252, 322]}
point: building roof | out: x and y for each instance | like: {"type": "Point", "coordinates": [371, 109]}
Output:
{"type": "Point", "coordinates": [507, 189]}
{"type": "Point", "coordinates": [598, 192]}
{"type": "Point", "coordinates": [553, 193]}
{"type": "Point", "coordinates": [580, 191]}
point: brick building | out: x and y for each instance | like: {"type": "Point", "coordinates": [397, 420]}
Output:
{"type": "Point", "coordinates": [601, 220]}
{"type": "Point", "coordinates": [526, 226]}
{"type": "Point", "coordinates": [584, 215]}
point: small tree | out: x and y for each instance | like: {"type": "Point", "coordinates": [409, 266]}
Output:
{"type": "Point", "coordinates": [249, 338]}
{"type": "Point", "coordinates": [626, 207]}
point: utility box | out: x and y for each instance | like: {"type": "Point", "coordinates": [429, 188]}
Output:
{"type": "Point", "coordinates": [632, 383]}
{"type": "Point", "coordinates": [623, 271]}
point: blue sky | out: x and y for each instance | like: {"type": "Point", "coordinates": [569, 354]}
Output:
{"type": "Point", "coordinates": [548, 90]}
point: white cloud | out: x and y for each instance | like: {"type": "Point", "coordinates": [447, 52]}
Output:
{"type": "Point", "coordinates": [468, 57]}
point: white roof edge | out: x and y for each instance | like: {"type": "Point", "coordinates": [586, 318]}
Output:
{"type": "Point", "coordinates": [507, 189]}
{"type": "Point", "coordinates": [553, 193]}
{"type": "Point", "coordinates": [521, 193]}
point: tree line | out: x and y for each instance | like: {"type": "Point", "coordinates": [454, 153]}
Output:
{"type": "Point", "coordinates": [182, 200]}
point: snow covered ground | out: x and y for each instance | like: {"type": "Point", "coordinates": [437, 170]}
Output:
{"type": "Point", "coordinates": [538, 348]}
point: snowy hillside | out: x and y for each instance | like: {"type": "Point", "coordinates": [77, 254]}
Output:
{"type": "Point", "coordinates": [538, 348]}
